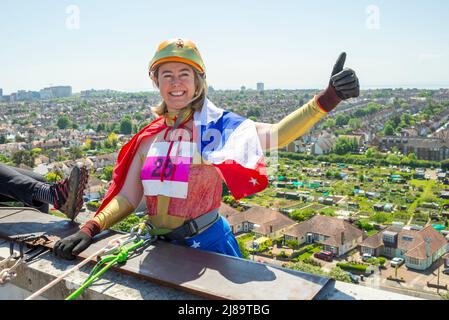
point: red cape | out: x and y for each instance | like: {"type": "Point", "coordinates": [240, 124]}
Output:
{"type": "Point", "coordinates": [126, 156]}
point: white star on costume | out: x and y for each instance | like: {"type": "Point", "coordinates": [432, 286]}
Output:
{"type": "Point", "coordinates": [195, 244]}
{"type": "Point", "coordinates": [254, 181]}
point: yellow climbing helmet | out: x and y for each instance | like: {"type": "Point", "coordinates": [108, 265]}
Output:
{"type": "Point", "coordinates": [178, 50]}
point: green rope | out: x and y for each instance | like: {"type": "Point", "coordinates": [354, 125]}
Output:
{"type": "Point", "coordinates": [107, 262]}
{"type": "Point", "coordinates": [111, 260]}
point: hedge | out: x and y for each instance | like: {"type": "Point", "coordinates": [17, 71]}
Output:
{"type": "Point", "coordinates": [358, 159]}
{"type": "Point", "coordinates": [352, 267]}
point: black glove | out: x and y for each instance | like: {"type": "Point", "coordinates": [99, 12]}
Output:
{"type": "Point", "coordinates": [69, 247]}
{"type": "Point", "coordinates": [344, 81]}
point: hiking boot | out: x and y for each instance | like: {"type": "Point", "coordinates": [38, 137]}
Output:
{"type": "Point", "coordinates": [69, 192]}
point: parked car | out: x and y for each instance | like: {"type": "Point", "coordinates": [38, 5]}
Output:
{"type": "Point", "coordinates": [446, 271]}
{"type": "Point", "coordinates": [354, 278]}
{"type": "Point", "coordinates": [397, 262]}
{"type": "Point", "coordinates": [324, 255]}
{"type": "Point", "coordinates": [366, 256]}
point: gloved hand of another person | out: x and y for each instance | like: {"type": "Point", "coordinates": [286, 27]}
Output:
{"type": "Point", "coordinates": [69, 247]}
{"type": "Point", "coordinates": [343, 85]}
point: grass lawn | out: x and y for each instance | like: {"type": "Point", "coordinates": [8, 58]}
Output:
{"type": "Point", "coordinates": [308, 254]}
{"type": "Point", "coordinates": [372, 232]}
{"type": "Point", "coordinates": [245, 237]}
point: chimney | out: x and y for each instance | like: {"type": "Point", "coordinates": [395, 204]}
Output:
{"type": "Point", "coordinates": [342, 238]}
{"type": "Point", "coordinates": [271, 229]}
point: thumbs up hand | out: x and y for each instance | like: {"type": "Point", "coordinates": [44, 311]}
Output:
{"type": "Point", "coordinates": [343, 85]}
{"type": "Point", "coordinates": [344, 81]}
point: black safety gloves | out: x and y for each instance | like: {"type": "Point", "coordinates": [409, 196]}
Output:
{"type": "Point", "coordinates": [343, 85]}
{"type": "Point", "coordinates": [69, 247]}
{"type": "Point", "coordinates": [344, 81]}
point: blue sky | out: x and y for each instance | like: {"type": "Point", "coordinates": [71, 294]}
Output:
{"type": "Point", "coordinates": [285, 44]}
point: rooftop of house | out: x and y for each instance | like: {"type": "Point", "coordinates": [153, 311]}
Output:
{"type": "Point", "coordinates": [267, 220]}
{"type": "Point", "coordinates": [333, 228]}
{"type": "Point", "coordinates": [412, 241]}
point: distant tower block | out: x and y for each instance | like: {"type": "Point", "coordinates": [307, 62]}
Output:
{"type": "Point", "coordinates": [260, 87]}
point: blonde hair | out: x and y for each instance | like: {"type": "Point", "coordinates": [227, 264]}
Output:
{"type": "Point", "coordinates": [197, 101]}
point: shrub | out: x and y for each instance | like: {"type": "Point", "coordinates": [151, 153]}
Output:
{"type": "Point", "coordinates": [126, 224]}
{"type": "Point", "coordinates": [313, 262]}
{"type": "Point", "coordinates": [373, 261]}
{"type": "Point", "coordinates": [93, 205]}
{"type": "Point", "coordinates": [293, 244]}
{"type": "Point", "coordinates": [282, 255]}
{"type": "Point", "coordinates": [339, 275]}
{"type": "Point", "coordinates": [381, 261]}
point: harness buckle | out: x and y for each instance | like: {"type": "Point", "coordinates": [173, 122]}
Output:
{"type": "Point", "coordinates": [193, 227]}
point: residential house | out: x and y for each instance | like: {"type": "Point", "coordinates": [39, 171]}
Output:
{"type": "Point", "coordinates": [95, 189]}
{"type": "Point", "coordinates": [419, 248]}
{"type": "Point", "coordinates": [324, 144]}
{"type": "Point", "coordinates": [336, 235]}
{"type": "Point", "coordinates": [104, 160]}
{"type": "Point", "coordinates": [359, 138]}
{"type": "Point", "coordinates": [296, 146]}
{"type": "Point", "coordinates": [262, 221]}
{"type": "Point", "coordinates": [433, 149]}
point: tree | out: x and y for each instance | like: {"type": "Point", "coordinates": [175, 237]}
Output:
{"type": "Point", "coordinates": [230, 200]}
{"type": "Point", "coordinates": [101, 127]}
{"type": "Point", "coordinates": [23, 157]}
{"type": "Point", "coordinates": [126, 126]}
{"type": "Point", "coordinates": [355, 123]}
{"type": "Point", "coordinates": [412, 156]}
{"type": "Point", "coordinates": [63, 122]}
{"type": "Point", "coordinates": [388, 129]}
{"type": "Point", "coordinates": [111, 141]}
{"type": "Point", "coordinates": [345, 145]}
{"type": "Point", "coordinates": [54, 176]}
{"type": "Point", "coordinates": [342, 120]}
{"type": "Point", "coordinates": [393, 159]}
{"type": "Point", "coordinates": [75, 152]}
{"type": "Point", "coordinates": [142, 125]}
{"type": "Point", "coordinates": [370, 152]}
{"type": "Point", "coordinates": [445, 164]}
{"type": "Point", "coordinates": [107, 173]}
{"type": "Point", "coordinates": [19, 138]}
{"type": "Point", "coordinates": [2, 139]}
{"type": "Point", "coordinates": [88, 144]}
{"type": "Point", "coordinates": [243, 249]}
{"type": "Point", "coordinates": [406, 118]}
{"type": "Point", "coordinates": [329, 123]}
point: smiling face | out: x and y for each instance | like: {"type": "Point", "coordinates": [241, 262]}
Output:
{"type": "Point", "coordinates": [176, 84]}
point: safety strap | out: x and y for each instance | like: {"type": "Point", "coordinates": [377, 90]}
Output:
{"type": "Point", "coordinates": [194, 226]}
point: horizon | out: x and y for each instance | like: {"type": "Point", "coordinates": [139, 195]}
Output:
{"type": "Point", "coordinates": [435, 88]}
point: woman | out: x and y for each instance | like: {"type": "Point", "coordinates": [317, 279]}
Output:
{"type": "Point", "coordinates": [178, 162]}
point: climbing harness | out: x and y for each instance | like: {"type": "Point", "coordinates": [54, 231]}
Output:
{"type": "Point", "coordinates": [9, 265]}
